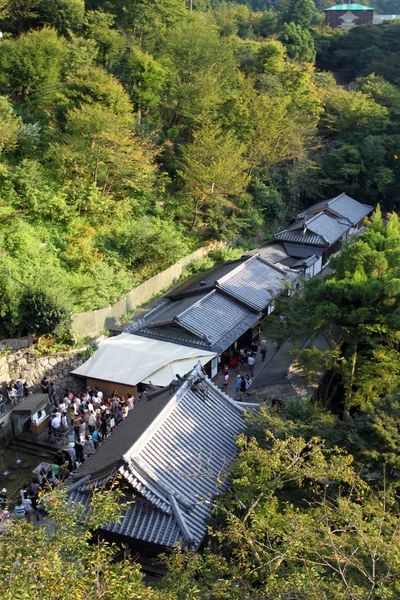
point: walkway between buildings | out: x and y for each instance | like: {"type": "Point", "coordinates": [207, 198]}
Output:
{"type": "Point", "coordinates": [259, 366]}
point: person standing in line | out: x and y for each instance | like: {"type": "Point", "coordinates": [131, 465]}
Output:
{"type": "Point", "coordinates": [225, 383]}
{"type": "Point", "coordinates": [52, 392]}
{"type": "Point", "coordinates": [3, 498]}
{"type": "Point", "coordinates": [89, 446]}
{"type": "Point", "coordinates": [251, 362]}
{"type": "Point", "coordinates": [103, 428]}
{"type": "Point", "coordinates": [238, 382]}
{"type": "Point", "coordinates": [263, 349]}
{"type": "Point", "coordinates": [72, 455]}
{"type": "Point", "coordinates": [19, 510]}
{"type": "Point", "coordinates": [56, 426]}
{"type": "Point", "coordinates": [91, 421]}
{"type": "Point", "coordinates": [44, 384]}
{"type": "Point", "coordinates": [20, 390]}
{"type": "Point", "coordinates": [79, 447]}
{"type": "Point", "coordinates": [243, 388]}
{"type": "Point", "coordinates": [77, 422]}
{"type": "Point", "coordinates": [11, 392]}
{"type": "Point", "coordinates": [26, 388]}
{"type": "Point", "coordinates": [27, 502]}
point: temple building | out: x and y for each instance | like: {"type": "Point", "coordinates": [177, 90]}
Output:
{"type": "Point", "coordinates": [347, 16]}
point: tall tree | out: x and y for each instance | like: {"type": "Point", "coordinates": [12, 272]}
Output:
{"type": "Point", "coordinates": [101, 148]}
{"type": "Point", "coordinates": [358, 305]}
{"type": "Point", "coordinates": [214, 171]}
{"type": "Point", "coordinates": [30, 67]}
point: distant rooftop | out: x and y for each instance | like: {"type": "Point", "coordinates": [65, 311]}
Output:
{"type": "Point", "coordinates": [349, 7]}
{"type": "Point", "coordinates": [380, 18]}
{"type": "Point", "coordinates": [343, 206]}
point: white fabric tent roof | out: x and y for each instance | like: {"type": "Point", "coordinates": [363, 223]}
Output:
{"type": "Point", "coordinates": [131, 359]}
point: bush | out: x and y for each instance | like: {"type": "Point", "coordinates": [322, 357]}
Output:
{"type": "Point", "coordinates": [35, 311]}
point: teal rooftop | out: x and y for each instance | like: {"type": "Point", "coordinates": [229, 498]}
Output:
{"type": "Point", "coordinates": [349, 7]}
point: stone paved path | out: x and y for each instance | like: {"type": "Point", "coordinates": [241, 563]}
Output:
{"type": "Point", "coordinates": [258, 368]}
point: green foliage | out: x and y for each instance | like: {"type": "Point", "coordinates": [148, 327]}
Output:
{"type": "Point", "coordinates": [30, 67]}
{"type": "Point", "coordinates": [9, 125]}
{"type": "Point", "coordinates": [299, 12]}
{"type": "Point", "coordinates": [362, 51]}
{"type": "Point", "coordinates": [67, 563]}
{"type": "Point", "coordinates": [299, 42]}
{"type": "Point", "coordinates": [145, 79]}
{"type": "Point", "coordinates": [34, 311]}
{"type": "Point", "coordinates": [89, 351]}
{"type": "Point", "coordinates": [296, 522]}
{"type": "Point", "coordinates": [214, 171]}
{"type": "Point", "coordinates": [190, 124]}
{"type": "Point", "coordinates": [65, 15]}
{"type": "Point", "coordinates": [109, 41]}
{"type": "Point", "coordinates": [357, 307]}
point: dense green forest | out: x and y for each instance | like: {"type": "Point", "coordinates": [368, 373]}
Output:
{"type": "Point", "coordinates": [130, 133]}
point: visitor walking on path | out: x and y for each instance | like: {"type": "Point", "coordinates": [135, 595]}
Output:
{"type": "Point", "coordinates": [251, 362]}
{"type": "Point", "coordinates": [263, 349]}
{"type": "Point", "coordinates": [225, 383]}
{"type": "Point", "coordinates": [243, 388]}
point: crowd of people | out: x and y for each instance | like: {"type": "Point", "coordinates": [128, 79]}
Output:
{"type": "Point", "coordinates": [15, 392]}
{"type": "Point", "coordinates": [28, 503]}
{"type": "Point", "coordinates": [243, 363]}
{"type": "Point", "coordinates": [89, 418]}
{"type": "Point", "coordinates": [78, 423]}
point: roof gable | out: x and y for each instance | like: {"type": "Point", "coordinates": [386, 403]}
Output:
{"type": "Point", "coordinates": [327, 227]}
{"type": "Point", "coordinates": [178, 463]}
{"type": "Point", "coordinates": [256, 282]}
{"type": "Point", "coordinates": [341, 206]}
{"type": "Point", "coordinates": [214, 321]}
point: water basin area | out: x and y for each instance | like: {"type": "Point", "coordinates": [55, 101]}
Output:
{"type": "Point", "coordinates": [16, 472]}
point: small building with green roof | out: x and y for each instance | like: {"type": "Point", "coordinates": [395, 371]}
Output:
{"type": "Point", "coordinates": [347, 16]}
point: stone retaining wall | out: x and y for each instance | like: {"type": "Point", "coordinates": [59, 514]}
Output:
{"type": "Point", "coordinates": [57, 368]}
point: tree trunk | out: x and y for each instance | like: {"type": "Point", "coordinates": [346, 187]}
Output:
{"type": "Point", "coordinates": [194, 216]}
{"type": "Point", "coordinates": [349, 392]}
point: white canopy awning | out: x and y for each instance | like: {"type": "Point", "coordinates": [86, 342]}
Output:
{"type": "Point", "coordinates": [133, 359]}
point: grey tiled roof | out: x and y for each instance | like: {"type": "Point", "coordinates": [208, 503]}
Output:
{"type": "Point", "coordinates": [204, 282]}
{"type": "Point", "coordinates": [178, 465]}
{"type": "Point", "coordinates": [214, 321]}
{"type": "Point", "coordinates": [318, 230]}
{"type": "Point", "coordinates": [344, 206]}
{"type": "Point", "coordinates": [306, 262]}
{"type": "Point", "coordinates": [175, 308]}
{"type": "Point", "coordinates": [298, 237]}
{"type": "Point", "coordinates": [256, 282]}
{"type": "Point", "coordinates": [177, 335]}
{"type": "Point", "coordinates": [198, 316]}
{"type": "Point", "coordinates": [328, 228]}
{"type": "Point", "coordinates": [271, 252]}
{"type": "Point", "coordinates": [141, 521]}
{"type": "Point", "coordinates": [214, 316]}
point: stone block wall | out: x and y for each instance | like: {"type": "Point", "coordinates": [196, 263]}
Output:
{"type": "Point", "coordinates": [57, 368]}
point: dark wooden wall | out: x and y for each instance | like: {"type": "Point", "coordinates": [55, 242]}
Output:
{"type": "Point", "coordinates": [332, 17]}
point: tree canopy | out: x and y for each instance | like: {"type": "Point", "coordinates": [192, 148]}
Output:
{"type": "Point", "coordinates": [213, 119]}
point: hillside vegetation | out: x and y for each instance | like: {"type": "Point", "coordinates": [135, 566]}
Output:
{"type": "Point", "coordinates": [132, 132]}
